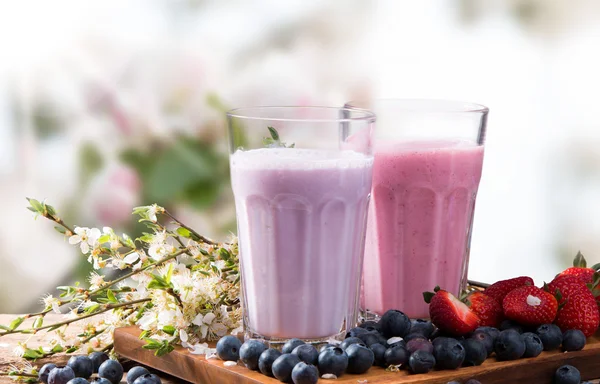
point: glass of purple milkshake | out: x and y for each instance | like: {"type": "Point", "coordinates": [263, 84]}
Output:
{"type": "Point", "coordinates": [301, 178]}
{"type": "Point", "coordinates": [428, 161]}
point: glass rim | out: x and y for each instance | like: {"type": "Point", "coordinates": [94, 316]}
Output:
{"type": "Point", "coordinates": [420, 105]}
{"type": "Point", "coordinates": [245, 113]}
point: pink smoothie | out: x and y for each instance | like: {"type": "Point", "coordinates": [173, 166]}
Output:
{"type": "Point", "coordinates": [301, 227]}
{"type": "Point", "coordinates": [419, 223]}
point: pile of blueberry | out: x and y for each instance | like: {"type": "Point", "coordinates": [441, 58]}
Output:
{"type": "Point", "coordinates": [398, 341]}
{"type": "Point", "coordinates": [80, 368]}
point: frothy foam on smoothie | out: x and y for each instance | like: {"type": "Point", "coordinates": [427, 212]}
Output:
{"type": "Point", "coordinates": [298, 158]}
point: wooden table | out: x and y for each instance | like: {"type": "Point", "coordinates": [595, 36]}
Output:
{"type": "Point", "coordinates": [9, 342]}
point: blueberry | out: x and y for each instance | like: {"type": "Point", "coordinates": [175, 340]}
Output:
{"type": "Point", "coordinates": [324, 347]}
{"type": "Point", "coordinates": [60, 375]}
{"type": "Point", "coordinates": [351, 340]}
{"type": "Point", "coordinates": [510, 324]}
{"type": "Point", "coordinates": [45, 371]}
{"type": "Point", "coordinates": [509, 345]}
{"type": "Point", "coordinates": [473, 381]}
{"type": "Point", "coordinates": [266, 359]}
{"type": "Point", "coordinates": [360, 358]}
{"type": "Point", "coordinates": [449, 353]}
{"type": "Point", "coordinates": [396, 355]}
{"type": "Point", "coordinates": [394, 323]}
{"type": "Point", "coordinates": [333, 360]}
{"type": "Point", "coordinates": [135, 372]}
{"type": "Point", "coordinates": [493, 332]}
{"type": "Point", "coordinates": [475, 352]}
{"type": "Point", "coordinates": [283, 365]}
{"type": "Point", "coordinates": [372, 337]}
{"type": "Point", "coordinates": [228, 348]}
{"type": "Point", "coordinates": [100, 380]}
{"type": "Point", "coordinates": [567, 374]}
{"type": "Point", "coordinates": [82, 366]}
{"type": "Point", "coordinates": [289, 345]}
{"type": "Point", "coordinates": [439, 333]}
{"type": "Point", "coordinates": [307, 353]}
{"type": "Point", "coordinates": [533, 344]}
{"type": "Point", "coordinates": [78, 380]}
{"type": "Point", "coordinates": [111, 370]}
{"type": "Point", "coordinates": [305, 373]}
{"type": "Point", "coordinates": [419, 345]}
{"type": "Point", "coordinates": [421, 362]}
{"type": "Point", "coordinates": [414, 335]}
{"type": "Point", "coordinates": [378, 353]}
{"type": "Point", "coordinates": [423, 327]}
{"type": "Point", "coordinates": [486, 339]}
{"type": "Point", "coordinates": [371, 326]}
{"type": "Point", "coordinates": [395, 341]}
{"type": "Point", "coordinates": [573, 340]}
{"type": "Point", "coordinates": [147, 378]}
{"type": "Point", "coordinates": [551, 336]}
{"type": "Point", "coordinates": [355, 332]}
{"type": "Point", "coordinates": [97, 359]}
{"type": "Point", "coordinates": [250, 352]}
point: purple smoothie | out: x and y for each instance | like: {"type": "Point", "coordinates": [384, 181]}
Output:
{"type": "Point", "coordinates": [419, 223]}
{"type": "Point", "coordinates": [301, 227]}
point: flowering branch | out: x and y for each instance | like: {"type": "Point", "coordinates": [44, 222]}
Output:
{"type": "Point", "coordinates": [181, 288]}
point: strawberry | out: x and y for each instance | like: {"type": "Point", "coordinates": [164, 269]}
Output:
{"type": "Point", "coordinates": [486, 308]}
{"type": "Point", "coordinates": [577, 305]}
{"type": "Point", "coordinates": [450, 314]}
{"type": "Point", "coordinates": [529, 305]}
{"type": "Point", "coordinates": [581, 270]}
{"type": "Point", "coordinates": [501, 288]}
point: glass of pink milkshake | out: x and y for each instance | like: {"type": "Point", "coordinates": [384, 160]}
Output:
{"type": "Point", "coordinates": [301, 178]}
{"type": "Point", "coordinates": [428, 160]}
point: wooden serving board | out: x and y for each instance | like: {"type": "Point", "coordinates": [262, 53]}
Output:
{"type": "Point", "coordinates": [196, 369]}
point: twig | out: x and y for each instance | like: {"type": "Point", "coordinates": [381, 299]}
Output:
{"type": "Point", "coordinates": [106, 308]}
{"type": "Point", "coordinates": [196, 234]}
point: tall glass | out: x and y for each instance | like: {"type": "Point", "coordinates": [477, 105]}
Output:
{"type": "Point", "coordinates": [428, 160]}
{"type": "Point", "coordinates": [301, 178]}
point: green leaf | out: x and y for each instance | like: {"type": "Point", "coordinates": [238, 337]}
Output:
{"type": "Point", "coordinates": [427, 296]}
{"type": "Point", "coordinates": [274, 133]}
{"type": "Point", "coordinates": [92, 308]}
{"type": "Point", "coordinates": [36, 205]}
{"type": "Point", "coordinates": [111, 297]}
{"type": "Point", "coordinates": [164, 350]}
{"type": "Point", "coordinates": [57, 349]}
{"type": "Point", "coordinates": [169, 274]}
{"type": "Point", "coordinates": [72, 349]}
{"type": "Point", "coordinates": [579, 261]}
{"type": "Point", "coordinates": [144, 334]}
{"type": "Point", "coordinates": [50, 209]}
{"type": "Point", "coordinates": [169, 329]}
{"type": "Point", "coordinates": [16, 323]}
{"type": "Point", "coordinates": [38, 322]}
{"type": "Point", "coordinates": [32, 354]}
{"type": "Point", "coordinates": [103, 239]}
{"type": "Point", "coordinates": [4, 327]}
{"type": "Point", "coordinates": [184, 232]}
{"type": "Point", "coordinates": [60, 229]}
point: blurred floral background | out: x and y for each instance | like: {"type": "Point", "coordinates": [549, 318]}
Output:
{"type": "Point", "coordinates": [106, 105]}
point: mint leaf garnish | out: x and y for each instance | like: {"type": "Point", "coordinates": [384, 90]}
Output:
{"type": "Point", "coordinates": [274, 141]}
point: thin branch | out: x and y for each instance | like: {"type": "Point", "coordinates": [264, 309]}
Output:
{"type": "Point", "coordinates": [105, 308]}
{"type": "Point", "coordinates": [196, 234]}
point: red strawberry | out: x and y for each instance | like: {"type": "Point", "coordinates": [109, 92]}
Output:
{"type": "Point", "coordinates": [450, 314]}
{"type": "Point", "coordinates": [501, 288]}
{"type": "Point", "coordinates": [580, 269]}
{"type": "Point", "coordinates": [486, 308]}
{"type": "Point", "coordinates": [577, 305]}
{"type": "Point", "coordinates": [529, 305]}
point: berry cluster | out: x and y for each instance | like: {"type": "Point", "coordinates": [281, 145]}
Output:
{"type": "Point", "coordinates": [80, 368]}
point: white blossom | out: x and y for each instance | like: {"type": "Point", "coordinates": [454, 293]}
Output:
{"type": "Point", "coordinates": [50, 301]}
{"type": "Point", "coordinates": [85, 237]}
{"type": "Point", "coordinates": [96, 280]}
